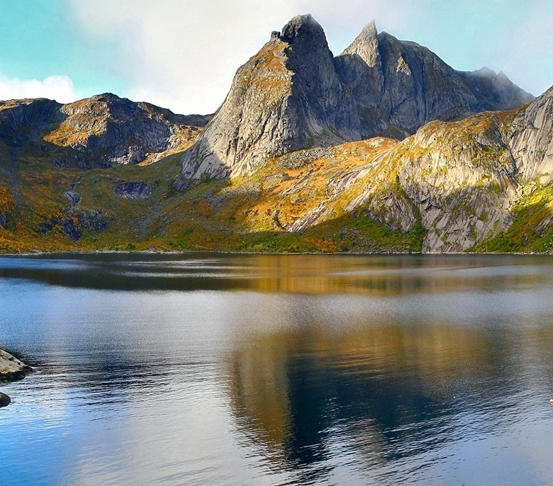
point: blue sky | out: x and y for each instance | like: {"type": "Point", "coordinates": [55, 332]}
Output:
{"type": "Point", "coordinates": [182, 54]}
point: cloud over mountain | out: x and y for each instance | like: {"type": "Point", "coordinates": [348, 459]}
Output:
{"type": "Point", "coordinates": [59, 88]}
{"type": "Point", "coordinates": [183, 54]}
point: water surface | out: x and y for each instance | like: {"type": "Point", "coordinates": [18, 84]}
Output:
{"type": "Point", "coordinates": [226, 369]}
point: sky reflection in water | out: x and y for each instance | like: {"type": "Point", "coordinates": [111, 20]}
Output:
{"type": "Point", "coordinates": [278, 369]}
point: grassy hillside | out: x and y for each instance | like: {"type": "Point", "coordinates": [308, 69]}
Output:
{"type": "Point", "coordinates": [451, 182]}
{"type": "Point", "coordinates": [50, 209]}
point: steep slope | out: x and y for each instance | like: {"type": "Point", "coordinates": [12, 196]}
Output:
{"type": "Point", "coordinates": [530, 137]}
{"type": "Point", "coordinates": [284, 98]}
{"type": "Point", "coordinates": [532, 140]}
{"type": "Point", "coordinates": [294, 95]}
{"type": "Point", "coordinates": [446, 189]}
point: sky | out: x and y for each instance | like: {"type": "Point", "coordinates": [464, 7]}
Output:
{"type": "Point", "coordinates": [183, 54]}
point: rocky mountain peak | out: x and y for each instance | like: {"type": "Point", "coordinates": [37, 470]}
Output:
{"type": "Point", "coordinates": [286, 97]}
{"type": "Point", "coordinates": [365, 45]}
{"type": "Point", "coordinates": [495, 91]}
{"type": "Point", "coordinates": [293, 94]}
{"type": "Point", "coordinates": [303, 28]}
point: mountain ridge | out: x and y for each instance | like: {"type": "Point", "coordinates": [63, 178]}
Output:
{"type": "Point", "coordinates": [378, 86]}
{"type": "Point", "coordinates": [104, 129]}
{"type": "Point", "coordinates": [290, 162]}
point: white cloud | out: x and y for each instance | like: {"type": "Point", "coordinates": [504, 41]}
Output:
{"type": "Point", "coordinates": [59, 88]}
{"type": "Point", "coordinates": [182, 54]}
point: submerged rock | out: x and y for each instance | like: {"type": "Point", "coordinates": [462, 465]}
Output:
{"type": "Point", "coordinates": [11, 368]}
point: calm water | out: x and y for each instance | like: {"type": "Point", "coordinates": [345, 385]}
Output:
{"type": "Point", "coordinates": [253, 370]}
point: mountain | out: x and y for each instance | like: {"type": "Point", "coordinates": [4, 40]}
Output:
{"type": "Point", "coordinates": [104, 130]}
{"type": "Point", "coordinates": [400, 86]}
{"type": "Point", "coordinates": [381, 149]}
{"type": "Point", "coordinates": [294, 94]}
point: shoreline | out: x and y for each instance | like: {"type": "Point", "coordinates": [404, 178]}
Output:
{"type": "Point", "coordinates": [230, 252]}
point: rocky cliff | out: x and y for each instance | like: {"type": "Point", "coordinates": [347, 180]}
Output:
{"type": "Point", "coordinates": [287, 97]}
{"type": "Point", "coordinates": [294, 94]}
{"type": "Point", "coordinates": [400, 86]}
{"type": "Point", "coordinates": [531, 140]}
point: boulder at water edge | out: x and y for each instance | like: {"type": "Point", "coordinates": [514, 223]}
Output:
{"type": "Point", "coordinates": [11, 368]}
{"type": "Point", "coordinates": [5, 400]}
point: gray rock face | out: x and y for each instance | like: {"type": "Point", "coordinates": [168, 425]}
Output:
{"type": "Point", "coordinates": [24, 120]}
{"type": "Point", "coordinates": [532, 140]}
{"type": "Point", "coordinates": [400, 86]}
{"type": "Point", "coordinates": [294, 95]}
{"type": "Point", "coordinates": [360, 69]}
{"type": "Point", "coordinates": [464, 188]}
{"type": "Point", "coordinates": [286, 97]}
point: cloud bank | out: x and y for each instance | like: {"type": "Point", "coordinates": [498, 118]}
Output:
{"type": "Point", "coordinates": [182, 54]}
{"type": "Point", "coordinates": [59, 88]}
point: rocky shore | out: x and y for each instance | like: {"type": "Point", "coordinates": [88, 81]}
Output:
{"type": "Point", "coordinates": [11, 369]}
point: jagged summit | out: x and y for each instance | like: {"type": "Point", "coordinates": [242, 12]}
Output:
{"type": "Point", "coordinates": [286, 97]}
{"type": "Point", "coordinates": [302, 27]}
{"type": "Point", "coordinates": [365, 45]}
{"type": "Point", "coordinates": [293, 94]}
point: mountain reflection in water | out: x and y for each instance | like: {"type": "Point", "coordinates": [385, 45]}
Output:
{"type": "Point", "coordinates": [235, 369]}
{"type": "Point", "coordinates": [303, 274]}
{"type": "Point", "coordinates": [380, 394]}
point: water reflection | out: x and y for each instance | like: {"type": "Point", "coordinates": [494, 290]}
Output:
{"type": "Point", "coordinates": [231, 369]}
{"type": "Point", "coordinates": [381, 394]}
{"type": "Point", "coordinates": [303, 274]}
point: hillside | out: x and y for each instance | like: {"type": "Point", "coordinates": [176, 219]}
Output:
{"type": "Point", "coordinates": [292, 161]}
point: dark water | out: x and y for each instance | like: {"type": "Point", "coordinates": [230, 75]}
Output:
{"type": "Point", "coordinates": [239, 370]}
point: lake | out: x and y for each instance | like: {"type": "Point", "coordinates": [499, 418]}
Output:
{"type": "Point", "coordinates": [209, 369]}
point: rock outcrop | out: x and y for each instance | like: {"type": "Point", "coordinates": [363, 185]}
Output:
{"type": "Point", "coordinates": [294, 95]}
{"type": "Point", "coordinates": [531, 140]}
{"type": "Point", "coordinates": [5, 400]}
{"type": "Point", "coordinates": [135, 190]}
{"type": "Point", "coordinates": [11, 368]}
